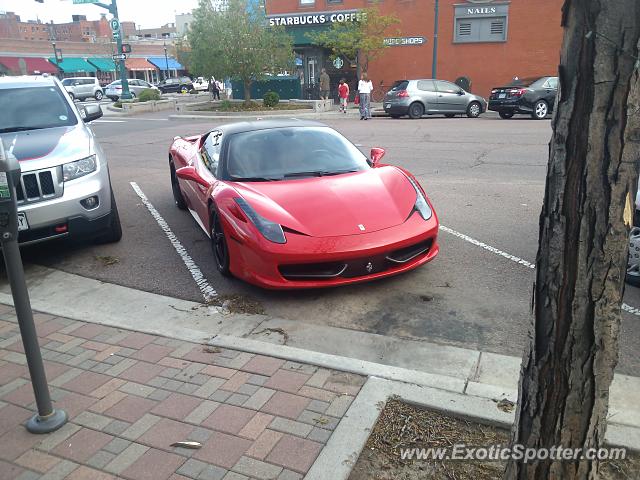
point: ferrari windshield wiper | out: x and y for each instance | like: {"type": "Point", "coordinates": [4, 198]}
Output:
{"type": "Point", "coordinates": [255, 179]}
{"type": "Point", "coordinates": [318, 173]}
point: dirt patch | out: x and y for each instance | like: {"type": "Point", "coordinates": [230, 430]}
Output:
{"type": "Point", "coordinates": [237, 303]}
{"type": "Point", "coordinates": [404, 426]}
{"type": "Point", "coordinates": [227, 106]}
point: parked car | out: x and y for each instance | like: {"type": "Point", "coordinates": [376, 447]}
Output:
{"type": "Point", "coordinates": [534, 96]}
{"type": "Point", "coordinates": [64, 189]}
{"type": "Point", "coordinates": [258, 198]}
{"type": "Point", "coordinates": [431, 97]}
{"type": "Point", "coordinates": [114, 89]}
{"type": "Point", "coordinates": [81, 88]}
{"type": "Point", "coordinates": [179, 84]}
{"type": "Point", "coordinates": [201, 84]}
{"type": "Point", "coordinates": [633, 262]}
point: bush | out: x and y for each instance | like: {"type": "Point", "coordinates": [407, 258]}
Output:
{"type": "Point", "coordinates": [117, 104]}
{"type": "Point", "coordinates": [270, 99]}
{"type": "Point", "coordinates": [149, 94]}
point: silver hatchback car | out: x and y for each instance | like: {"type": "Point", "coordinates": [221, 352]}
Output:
{"type": "Point", "coordinates": [81, 88]}
{"type": "Point", "coordinates": [64, 189]}
{"type": "Point", "coordinates": [431, 97]}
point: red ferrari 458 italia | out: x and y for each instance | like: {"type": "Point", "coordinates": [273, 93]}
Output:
{"type": "Point", "coordinates": [294, 204]}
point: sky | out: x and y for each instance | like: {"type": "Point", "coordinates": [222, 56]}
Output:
{"type": "Point", "coordinates": [146, 13]}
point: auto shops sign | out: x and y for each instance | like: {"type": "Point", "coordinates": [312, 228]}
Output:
{"type": "Point", "coordinates": [316, 18]}
{"type": "Point", "coordinates": [404, 41]}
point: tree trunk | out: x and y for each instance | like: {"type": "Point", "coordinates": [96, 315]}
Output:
{"type": "Point", "coordinates": [593, 155]}
{"type": "Point", "coordinates": [247, 90]}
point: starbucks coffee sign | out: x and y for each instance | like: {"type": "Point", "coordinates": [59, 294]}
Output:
{"type": "Point", "coordinates": [316, 18]}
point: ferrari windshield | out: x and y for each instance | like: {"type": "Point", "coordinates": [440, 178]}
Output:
{"type": "Point", "coordinates": [291, 152]}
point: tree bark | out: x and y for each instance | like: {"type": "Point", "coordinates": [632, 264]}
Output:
{"type": "Point", "coordinates": [581, 262]}
{"type": "Point", "coordinates": [247, 91]}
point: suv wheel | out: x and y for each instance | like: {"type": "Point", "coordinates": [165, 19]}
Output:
{"type": "Point", "coordinates": [72, 96]}
{"type": "Point", "coordinates": [114, 232]}
{"type": "Point", "coordinates": [505, 115]}
{"type": "Point", "coordinates": [474, 110]}
{"type": "Point", "coordinates": [98, 96]}
{"type": "Point", "coordinates": [540, 110]}
{"type": "Point", "coordinates": [416, 110]}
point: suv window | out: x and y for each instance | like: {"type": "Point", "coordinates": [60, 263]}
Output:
{"type": "Point", "coordinates": [67, 82]}
{"type": "Point", "coordinates": [446, 87]}
{"type": "Point", "coordinates": [18, 104]}
{"type": "Point", "coordinates": [88, 81]}
{"type": "Point", "coordinates": [426, 85]}
{"type": "Point", "coordinates": [211, 151]}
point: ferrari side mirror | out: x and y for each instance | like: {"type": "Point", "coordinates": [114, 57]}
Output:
{"type": "Point", "coordinates": [376, 155]}
{"type": "Point", "coordinates": [189, 173]}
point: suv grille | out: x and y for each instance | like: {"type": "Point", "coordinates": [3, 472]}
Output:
{"type": "Point", "coordinates": [37, 186]}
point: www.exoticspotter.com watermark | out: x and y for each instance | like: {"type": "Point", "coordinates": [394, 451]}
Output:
{"type": "Point", "coordinates": [516, 452]}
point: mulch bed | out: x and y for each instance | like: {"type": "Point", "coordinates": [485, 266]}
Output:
{"type": "Point", "coordinates": [403, 426]}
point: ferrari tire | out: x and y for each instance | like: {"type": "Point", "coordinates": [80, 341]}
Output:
{"type": "Point", "coordinates": [219, 244]}
{"type": "Point", "coordinates": [178, 197]}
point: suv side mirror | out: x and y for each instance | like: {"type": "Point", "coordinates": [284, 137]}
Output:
{"type": "Point", "coordinates": [90, 112]}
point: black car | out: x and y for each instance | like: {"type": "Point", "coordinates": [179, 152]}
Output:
{"type": "Point", "coordinates": [178, 84]}
{"type": "Point", "coordinates": [530, 96]}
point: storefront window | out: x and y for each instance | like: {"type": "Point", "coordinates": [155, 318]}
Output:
{"type": "Point", "coordinates": [307, 3]}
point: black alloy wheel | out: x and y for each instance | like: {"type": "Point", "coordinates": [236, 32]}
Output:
{"type": "Point", "coordinates": [219, 244]}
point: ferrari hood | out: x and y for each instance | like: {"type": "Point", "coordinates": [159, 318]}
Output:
{"type": "Point", "coordinates": [349, 204]}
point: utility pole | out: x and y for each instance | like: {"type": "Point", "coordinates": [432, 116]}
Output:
{"type": "Point", "coordinates": [434, 63]}
{"type": "Point", "coordinates": [117, 34]}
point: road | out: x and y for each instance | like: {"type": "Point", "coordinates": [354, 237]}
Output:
{"type": "Point", "coordinates": [485, 177]}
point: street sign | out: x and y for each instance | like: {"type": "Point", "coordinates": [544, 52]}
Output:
{"type": "Point", "coordinates": [114, 23]}
{"type": "Point", "coordinates": [119, 56]}
{"type": "Point", "coordinates": [115, 35]}
{"type": "Point", "coordinates": [85, 1]}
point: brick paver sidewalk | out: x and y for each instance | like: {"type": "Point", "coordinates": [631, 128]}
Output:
{"type": "Point", "coordinates": [130, 395]}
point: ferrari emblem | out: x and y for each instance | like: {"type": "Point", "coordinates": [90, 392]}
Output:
{"type": "Point", "coordinates": [361, 227]}
{"type": "Point", "coordinates": [369, 267]}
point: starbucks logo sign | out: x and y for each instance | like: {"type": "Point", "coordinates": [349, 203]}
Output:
{"type": "Point", "coordinates": [338, 63]}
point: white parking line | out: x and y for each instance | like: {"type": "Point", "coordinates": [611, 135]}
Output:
{"type": "Point", "coordinates": [513, 258]}
{"type": "Point", "coordinates": [208, 292]}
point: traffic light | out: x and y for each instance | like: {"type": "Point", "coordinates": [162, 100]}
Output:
{"type": "Point", "coordinates": [126, 48]}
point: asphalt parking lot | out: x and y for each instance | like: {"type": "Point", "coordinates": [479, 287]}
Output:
{"type": "Point", "coordinates": [484, 176]}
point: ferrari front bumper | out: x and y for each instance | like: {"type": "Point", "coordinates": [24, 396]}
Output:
{"type": "Point", "coordinates": [312, 262]}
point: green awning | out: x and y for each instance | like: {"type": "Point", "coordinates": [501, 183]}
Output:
{"type": "Point", "coordinates": [103, 64]}
{"type": "Point", "coordinates": [73, 65]}
{"type": "Point", "coordinates": [299, 34]}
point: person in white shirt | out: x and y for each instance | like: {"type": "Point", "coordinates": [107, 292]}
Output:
{"type": "Point", "coordinates": [365, 87]}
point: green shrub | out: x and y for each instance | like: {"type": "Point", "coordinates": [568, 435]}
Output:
{"type": "Point", "coordinates": [226, 105]}
{"type": "Point", "coordinates": [148, 95]}
{"type": "Point", "coordinates": [270, 99]}
{"type": "Point", "coordinates": [117, 104]}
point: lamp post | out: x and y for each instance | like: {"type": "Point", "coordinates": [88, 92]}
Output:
{"type": "Point", "coordinates": [434, 64]}
{"type": "Point", "coordinates": [166, 60]}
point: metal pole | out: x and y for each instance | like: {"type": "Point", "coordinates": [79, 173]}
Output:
{"type": "Point", "coordinates": [47, 419]}
{"type": "Point", "coordinates": [126, 94]}
{"type": "Point", "coordinates": [166, 61]}
{"type": "Point", "coordinates": [434, 64]}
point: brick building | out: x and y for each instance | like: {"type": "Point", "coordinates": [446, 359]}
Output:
{"type": "Point", "coordinates": [486, 41]}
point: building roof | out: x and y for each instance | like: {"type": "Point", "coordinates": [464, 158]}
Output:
{"type": "Point", "coordinates": [27, 65]}
{"type": "Point", "coordinates": [166, 63]}
{"type": "Point", "coordinates": [102, 63]}
{"type": "Point", "coordinates": [73, 65]}
{"type": "Point", "coordinates": [138, 64]}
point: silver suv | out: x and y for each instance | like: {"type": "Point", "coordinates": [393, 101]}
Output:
{"type": "Point", "coordinates": [65, 188]}
{"type": "Point", "coordinates": [419, 97]}
{"type": "Point", "coordinates": [81, 88]}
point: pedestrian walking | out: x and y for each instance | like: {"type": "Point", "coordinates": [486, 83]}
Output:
{"type": "Point", "coordinates": [365, 87]}
{"type": "Point", "coordinates": [215, 89]}
{"type": "Point", "coordinates": [324, 85]}
{"type": "Point", "coordinates": [343, 95]}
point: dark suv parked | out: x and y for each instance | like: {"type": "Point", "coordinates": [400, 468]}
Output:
{"type": "Point", "coordinates": [531, 96]}
{"type": "Point", "coordinates": [179, 84]}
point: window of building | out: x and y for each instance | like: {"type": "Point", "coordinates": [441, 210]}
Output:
{"type": "Point", "coordinates": [475, 24]}
{"type": "Point", "coordinates": [307, 3]}
{"type": "Point", "coordinates": [334, 1]}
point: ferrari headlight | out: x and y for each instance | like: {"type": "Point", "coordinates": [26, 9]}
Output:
{"type": "Point", "coordinates": [422, 206]}
{"type": "Point", "coordinates": [269, 230]}
{"type": "Point", "coordinates": [79, 168]}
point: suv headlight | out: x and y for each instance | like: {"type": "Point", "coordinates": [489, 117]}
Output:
{"type": "Point", "coordinates": [421, 206]}
{"type": "Point", "coordinates": [79, 168]}
{"type": "Point", "coordinates": [269, 230]}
